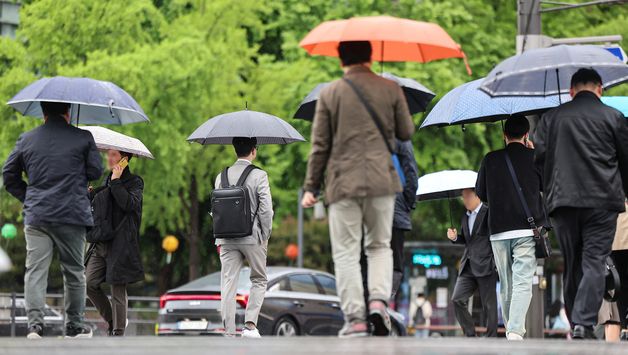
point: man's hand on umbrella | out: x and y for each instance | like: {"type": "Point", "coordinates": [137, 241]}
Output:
{"type": "Point", "coordinates": [116, 172]}
{"type": "Point", "coordinates": [452, 234]}
{"type": "Point", "coordinates": [308, 200]}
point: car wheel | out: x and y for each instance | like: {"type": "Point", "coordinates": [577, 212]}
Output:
{"type": "Point", "coordinates": [286, 327]}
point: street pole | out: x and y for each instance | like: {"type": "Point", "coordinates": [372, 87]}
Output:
{"type": "Point", "coordinates": [529, 36]}
{"type": "Point", "coordinates": [529, 25]}
{"type": "Point", "coordinates": [300, 229]}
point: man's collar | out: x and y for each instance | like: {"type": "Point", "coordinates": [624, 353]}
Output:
{"type": "Point", "coordinates": [56, 119]}
{"type": "Point", "coordinates": [586, 93]}
{"type": "Point", "coordinates": [358, 69]}
{"type": "Point", "coordinates": [476, 210]}
{"type": "Point", "coordinates": [243, 161]}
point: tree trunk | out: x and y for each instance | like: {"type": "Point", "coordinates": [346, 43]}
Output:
{"type": "Point", "coordinates": [193, 233]}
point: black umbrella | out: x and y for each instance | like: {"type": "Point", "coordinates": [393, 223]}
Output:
{"type": "Point", "coordinates": [268, 129]}
{"type": "Point", "coordinates": [548, 71]}
{"type": "Point", "coordinates": [417, 96]}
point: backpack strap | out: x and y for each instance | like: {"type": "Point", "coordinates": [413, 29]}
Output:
{"type": "Point", "coordinates": [245, 174]}
{"type": "Point", "coordinates": [224, 179]}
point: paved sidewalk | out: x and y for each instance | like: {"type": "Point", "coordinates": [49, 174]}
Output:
{"type": "Point", "coordinates": [302, 345]}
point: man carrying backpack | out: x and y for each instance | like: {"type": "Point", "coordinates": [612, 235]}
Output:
{"type": "Point", "coordinates": [242, 229]}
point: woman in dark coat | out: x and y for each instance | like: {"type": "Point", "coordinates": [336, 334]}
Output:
{"type": "Point", "coordinates": [117, 261]}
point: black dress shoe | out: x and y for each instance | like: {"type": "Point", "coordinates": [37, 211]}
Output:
{"type": "Point", "coordinates": [583, 332]}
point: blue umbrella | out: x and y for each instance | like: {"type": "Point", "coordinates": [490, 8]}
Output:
{"type": "Point", "coordinates": [618, 102]}
{"type": "Point", "coordinates": [548, 71]}
{"type": "Point", "coordinates": [93, 101]}
{"type": "Point", "coordinates": [468, 104]}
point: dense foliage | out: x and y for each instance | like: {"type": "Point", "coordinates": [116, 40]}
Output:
{"type": "Point", "coordinates": [188, 60]}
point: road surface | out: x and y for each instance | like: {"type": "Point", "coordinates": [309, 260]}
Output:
{"type": "Point", "coordinates": [302, 345]}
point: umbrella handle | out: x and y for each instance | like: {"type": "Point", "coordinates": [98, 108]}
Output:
{"type": "Point", "coordinates": [451, 219]}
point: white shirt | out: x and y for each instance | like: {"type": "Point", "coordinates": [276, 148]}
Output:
{"type": "Point", "coordinates": [472, 215]}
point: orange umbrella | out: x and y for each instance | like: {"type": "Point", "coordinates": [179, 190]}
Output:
{"type": "Point", "coordinates": [393, 39]}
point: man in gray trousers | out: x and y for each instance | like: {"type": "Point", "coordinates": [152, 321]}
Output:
{"type": "Point", "coordinates": [59, 160]}
{"type": "Point", "coordinates": [251, 248]}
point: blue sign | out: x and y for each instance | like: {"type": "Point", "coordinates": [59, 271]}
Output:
{"type": "Point", "coordinates": [427, 260]}
{"type": "Point", "coordinates": [617, 51]}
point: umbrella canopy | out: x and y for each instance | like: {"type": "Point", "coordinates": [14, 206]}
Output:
{"type": "Point", "coordinates": [618, 102]}
{"type": "Point", "coordinates": [393, 39]}
{"type": "Point", "coordinates": [417, 96]}
{"type": "Point", "coordinates": [468, 104]}
{"type": "Point", "coordinates": [445, 184]}
{"type": "Point", "coordinates": [107, 139]}
{"type": "Point", "coordinates": [268, 129]}
{"type": "Point", "coordinates": [93, 101]}
{"type": "Point", "coordinates": [548, 71]}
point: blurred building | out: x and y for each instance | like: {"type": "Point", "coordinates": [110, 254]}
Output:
{"type": "Point", "coordinates": [9, 17]}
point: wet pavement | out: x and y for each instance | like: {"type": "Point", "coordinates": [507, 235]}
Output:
{"type": "Point", "coordinates": [302, 345]}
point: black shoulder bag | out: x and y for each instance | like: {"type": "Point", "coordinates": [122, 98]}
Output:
{"type": "Point", "coordinates": [541, 234]}
{"type": "Point", "coordinates": [393, 153]}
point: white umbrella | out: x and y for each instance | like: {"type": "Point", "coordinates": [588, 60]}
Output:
{"type": "Point", "coordinates": [107, 139]}
{"type": "Point", "coordinates": [445, 184]}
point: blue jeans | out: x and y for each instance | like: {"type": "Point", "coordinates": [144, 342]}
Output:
{"type": "Point", "coordinates": [516, 264]}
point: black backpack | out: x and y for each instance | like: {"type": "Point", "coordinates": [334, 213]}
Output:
{"type": "Point", "coordinates": [231, 207]}
{"type": "Point", "coordinates": [102, 212]}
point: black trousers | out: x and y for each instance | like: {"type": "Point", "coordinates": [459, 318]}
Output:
{"type": "Point", "coordinates": [585, 236]}
{"type": "Point", "coordinates": [620, 258]}
{"type": "Point", "coordinates": [466, 284]}
{"type": "Point", "coordinates": [114, 312]}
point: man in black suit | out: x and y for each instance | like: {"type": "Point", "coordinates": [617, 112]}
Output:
{"type": "Point", "coordinates": [477, 268]}
{"type": "Point", "coordinates": [581, 147]}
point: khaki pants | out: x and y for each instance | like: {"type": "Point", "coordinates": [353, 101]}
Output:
{"type": "Point", "coordinates": [347, 218]}
{"type": "Point", "coordinates": [232, 258]}
{"type": "Point", "coordinates": [114, 312]}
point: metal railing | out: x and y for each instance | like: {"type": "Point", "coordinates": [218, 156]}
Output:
{"type": "Point", "coordinates": [142, 313]}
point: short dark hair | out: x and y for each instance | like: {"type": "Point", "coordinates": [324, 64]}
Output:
{"type": "Point", "coordinates": [244, 145]}
{"type": "Point", "coordinates": [354, 52]}
{"type": "Point", "coordinates": [127, 155]}
{"type": "Point", "coordinates": [586, 76]}
{"type": "Point", "coordinates": [516, 126]}
{"type": "Point", "coordinates": [54, 108]}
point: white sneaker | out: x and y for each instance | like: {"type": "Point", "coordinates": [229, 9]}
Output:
{"type": "Point", "coordinates": [514, 336]}
{"type": "Point", "coordinates": [250, 333]}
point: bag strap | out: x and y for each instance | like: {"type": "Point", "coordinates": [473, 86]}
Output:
{"type": "Point", "coordinates": [371, 113]}
{"type": "Point", "coordinates": [245, 174]}
{"type": "Point", "coordinates": [224, 179]}
{"type": "Point", "coordinates": [515, 181]}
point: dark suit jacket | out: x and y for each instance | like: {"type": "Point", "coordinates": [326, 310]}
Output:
{"type": "Point", "coordinates": [59, 160]}
{"type": "Point", "coordinates": [477, 253]}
